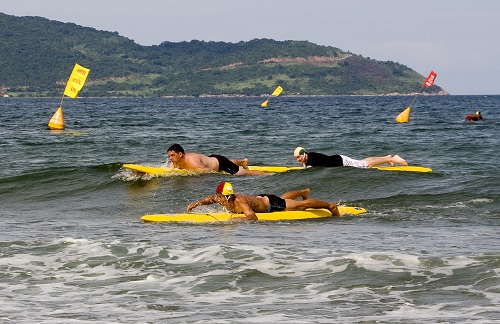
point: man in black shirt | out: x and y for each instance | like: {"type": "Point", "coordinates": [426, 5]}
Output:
{"type": "Point", "coordinates": [310, 159]}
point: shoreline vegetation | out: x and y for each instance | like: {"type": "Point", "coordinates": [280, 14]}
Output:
{"type": "Point", "coordinates": [38, 55]}
{"type": "Point", "coordinates": [254, 96]}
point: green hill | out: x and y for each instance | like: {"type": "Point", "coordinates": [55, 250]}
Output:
{"type": "Point", "coordinates": [37, 56]}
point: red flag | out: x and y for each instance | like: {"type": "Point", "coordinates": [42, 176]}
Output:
{"type": "Point", "coordinates": [430, 79]}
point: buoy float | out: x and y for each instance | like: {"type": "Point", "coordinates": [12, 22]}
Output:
{"type": "Point", "coordinates": [404, 116]}
{"type": "Point", "coordinates": [57, 121]}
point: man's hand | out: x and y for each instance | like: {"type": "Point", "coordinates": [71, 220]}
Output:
{"type": "Point", "coordinates": [190, 207]}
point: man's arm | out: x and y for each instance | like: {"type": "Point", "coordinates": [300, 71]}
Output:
{"type": "Point", "coordinates": [206, 201]}
{"type": "Point", "coordinates": [247, 210]}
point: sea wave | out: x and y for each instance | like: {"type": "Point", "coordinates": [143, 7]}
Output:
{"type": "Point", "coordinates": [195, 280]}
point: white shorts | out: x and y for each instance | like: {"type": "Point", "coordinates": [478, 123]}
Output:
{"type": "Point", "coordinates": [347, 161]}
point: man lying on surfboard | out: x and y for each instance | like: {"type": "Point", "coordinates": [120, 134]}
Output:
{"type": "Point", "coordinates": [249, 205]}
{"type": "Point", "coordinates": [212, 163]}
{"type": "Point", "coordinates": [311, 159]}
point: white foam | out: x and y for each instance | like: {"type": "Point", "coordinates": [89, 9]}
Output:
{"type": "Point", "coordinates": [94, 279]}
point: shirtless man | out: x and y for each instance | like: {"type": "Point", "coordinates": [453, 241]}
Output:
{"type": "Point", "coordinates": [310, 159]}
{"type": "Point", "coordinates": [249, 205]}
{"type": "Point", "coordinates": [213, 163]}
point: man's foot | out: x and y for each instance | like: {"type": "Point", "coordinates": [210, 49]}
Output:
{"type": "Point", "coordinates": [244, 164]}
{"type": "Point", "coordinates": [305, 193]}
{"type": "Point", "coordinates": [334, 210]}
{"type": "Point", "coordinates": [391, 159]}
{"type": "Point", "coordinates": [399, 160]}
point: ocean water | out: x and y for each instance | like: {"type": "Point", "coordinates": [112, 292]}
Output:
{"type": "Point", "coordinates": [74, 250]}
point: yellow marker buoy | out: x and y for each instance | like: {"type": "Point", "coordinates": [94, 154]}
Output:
{"type": "Point", "coordinates": [57, 121]}
{"type": "Point", "coordinates": [404, 116]}
{"type": "Point", "coordinates": [275, 93]}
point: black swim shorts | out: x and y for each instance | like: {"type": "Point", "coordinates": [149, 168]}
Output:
{"type": "Point", "coordinates": [225, 164]}
{"type": "Point", "coordinates": [275, 203]}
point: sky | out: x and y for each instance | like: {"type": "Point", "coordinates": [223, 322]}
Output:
{"type": "Point", "coordinates": [458, 39]}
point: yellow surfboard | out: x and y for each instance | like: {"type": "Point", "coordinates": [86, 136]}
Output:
{"type": "Point", "coordinates": [163, 171]}
{"type": "Point", "coordinates": [157, 171]}
{"type": "Point", "coordinates": [274, 216]}
{"type": "Point", "coordinates": [274, 168]}
{"type": "Point", "coordinates": [408, 168]}
{"type": "Point", "coordinates": [279, 169]}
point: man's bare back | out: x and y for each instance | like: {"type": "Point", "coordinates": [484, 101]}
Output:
{"type": "Point", "coordinates": [196, 161]}
{"type": "Point", "coordinates": [179, 159]}
{"type": "Point", "coordinates": [258, 204]}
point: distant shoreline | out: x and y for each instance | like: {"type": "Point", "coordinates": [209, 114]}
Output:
{"type": "Point", "coordinates": [395, 94]}
{"type": "Point", "coordinates": [261, 96]}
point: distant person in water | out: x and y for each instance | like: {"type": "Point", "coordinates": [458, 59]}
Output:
{"type": "Point", "coordinates": [474, 117]}
{"type": "Point", "coordinates": [212, 163]}
{"type": "Point", "coordinates": [312, 159]}
{"type": "Point", "coordinates": [263, 203]}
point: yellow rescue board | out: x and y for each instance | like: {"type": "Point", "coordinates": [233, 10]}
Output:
{"type": "Point", "coordinates": [280, 169]}
{"type": "Point", "coordinates": [274, 168]}
{"type": "Point", "coordinates": [274, 216]}
{"type": "Point", "coordinates": [408, 168]}
{"type": "Point", "coordinates": [158, 171]}
{"type": "Point", "coordinates": [162, 171]}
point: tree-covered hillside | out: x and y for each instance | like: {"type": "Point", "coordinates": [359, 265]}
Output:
{"type": "Point", "coordinates": [37, 56]}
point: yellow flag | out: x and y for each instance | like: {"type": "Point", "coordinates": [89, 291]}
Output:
{"type": "Point", "coordinates": [76, 81]}
{"type": "Point", "coordinates": [277, 91]}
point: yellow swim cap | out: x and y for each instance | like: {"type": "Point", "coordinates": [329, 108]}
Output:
{"type": "Point", "coordinates": [478, 113]}
{"type": "Point", "coordinates": [299, 151]}
{"type": "Point", "coordinates": [225, 188]}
